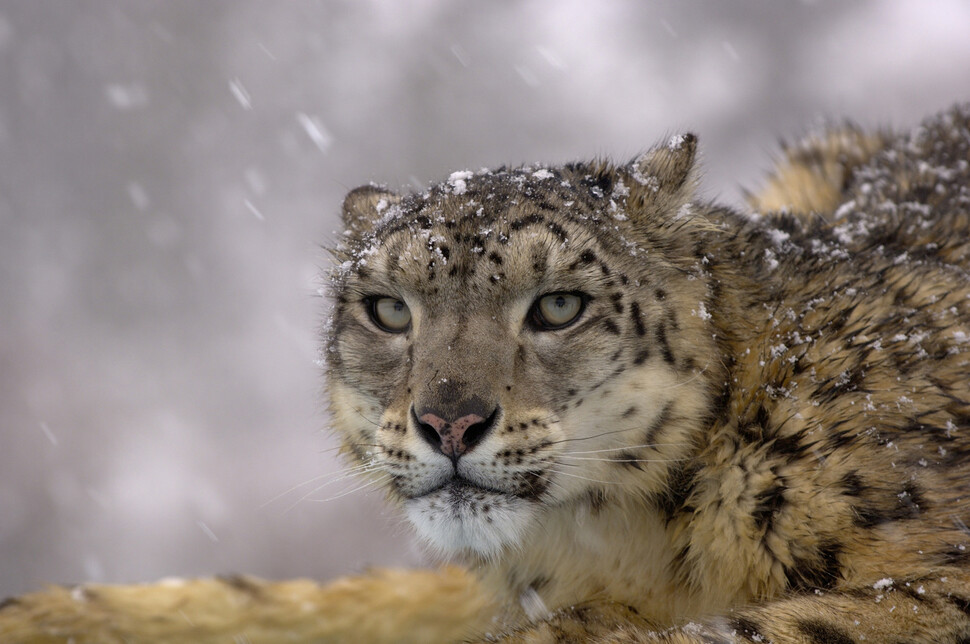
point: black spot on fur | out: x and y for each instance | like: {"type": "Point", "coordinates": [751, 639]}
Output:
{"type": "Point", "coordinates": [747, 628]}
{"type": "Point", "coordinates": [839, 438]}
{"type": "Point", "coordinates": [823, 571]}
{"type": "Point", "coordinates": [789, 447]}
{"type": "Point", "coordinates": [657, 424]}
{"type": "Point", "coordinates": [955, 556]}
{"type": "Point", "coordinates": [617, 298]}
{"type": "Point", "coordinates": [867, 516]}
{"type": "Point", "coordinates": [585, 258]}
{"type": "Point", "coordinates": [629, 411]}
{"type": "Point", "coordinates": [610, 326]}
{"type": "Point", "coordinates": [597, 500]}
{"type": "Point", "coordinates": [557, 230]}
{"type": "Point", "coordinates": [519, 224]}
{"type": "Point", "coordinates": [672, 320]}
{"type": "Point", "coordinates": [962, 603]}
{"type": "Point", "coordinates": [680, 485]}
{"type": "Point", "coordinates": [719, 404]}
{"type": "Point", "coordinates": [768, 502]}
{"type": "Point", "coordinates": [539, 583]}
{"type": "Point", "coordinates": [836, 325]}
{"type": "Point", "coordinates": [602, 181]}
{"type": "Point", "coordinates": [660, 294]}
{"type": "Point", "coordinates": [905, 505]}
{"type": "Point", "coordinates": [759, 429]}
{"type": "Point", "coordinates": [539, 262]}
{"type": "Point", "coordinates": [495, 257]}
{"type": "Point", "coordinates": [637, 318]}
{"type": "Point", "coordinates": [852, 484]}
{"type": "Point", "coordinates": [681, 564]}
{"type": "Point", "coordinates": [628, 459]}
{"type": "Point", "coordinates": [762, 416]}
{"type": "Point", "coordinates": [661, 337]}
{"type": "Point", "coordinates": [545, 204]}
{"type": "Point", "coordinates": [531, 485]}
{"type": "Point", "coordinates": [641, 356]}
{"type": "Point", "coordinates": [821, 632]}
{"type": "Point", "coordinates": [908, 590]}
{"type": "Point", "coordinates": [911, 501]}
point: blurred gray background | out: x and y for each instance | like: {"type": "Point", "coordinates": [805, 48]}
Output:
{"type": "Point", "coordinates": [170, 169]}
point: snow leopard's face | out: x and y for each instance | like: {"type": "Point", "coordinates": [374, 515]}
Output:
{"type": "Point", "coordinates": [515, 340]}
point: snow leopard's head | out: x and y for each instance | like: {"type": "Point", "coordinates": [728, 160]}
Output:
{"type": "Point", "coordinates": [518, 339]}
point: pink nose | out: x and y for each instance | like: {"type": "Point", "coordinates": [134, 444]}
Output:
{"type": "Point", "coordinates": [453, 437]}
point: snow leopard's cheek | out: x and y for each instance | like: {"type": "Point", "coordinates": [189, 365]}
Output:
{"type": "Point", "coordinates": [375, 362]}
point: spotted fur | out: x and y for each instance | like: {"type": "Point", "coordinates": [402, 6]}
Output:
{"type": "Point", "coordinates": [755, 423]}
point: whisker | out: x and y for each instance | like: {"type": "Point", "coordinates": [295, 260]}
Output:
{"type": "Point", "coordinates": [338, 448]}
{"type": "Point", "coordinates": [623, 460]}
{"type": "Point", "coordinates": [361, 414]}
{"type": "Point", "coordinates": [327, 450]}
{"type": "Point", "coordinates": [334, 477]}
{"type": "Point", "coordinates": [584, 478]}
{"type": "Point", "coordinates": [625, 447]}
{"type": "Point", "coordinates": [352, 491]}
{"type": "Point", "coordinates": [344, 477]}
{"type": "Point", "coordinates": [691, 379]}
{"type": "Point", "coordinates": [586, 438]}
{"type": "Point", "coordinates": [294, 488]}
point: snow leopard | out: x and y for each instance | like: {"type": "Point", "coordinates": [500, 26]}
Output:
{"type": "Point", "coordinates": [623, 413]}
{"type": "Point", "coordinates": [638, 416]}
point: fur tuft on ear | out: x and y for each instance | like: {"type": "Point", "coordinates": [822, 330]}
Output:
{"type": "Point", "coordinates": [364, 206]}
{"type": "Point", "coordinates": [663, 178]}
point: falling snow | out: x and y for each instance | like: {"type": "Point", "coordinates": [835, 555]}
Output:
{"type": "Point", "coordinates": [173, 171]}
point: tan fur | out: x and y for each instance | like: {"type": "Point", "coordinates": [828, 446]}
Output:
{"type": "Point", "coordinates": [246, 609]}
{"type": "Point", "coordinates": [758, 429]}
{"type": "Point", "coordinates": [812, 175]}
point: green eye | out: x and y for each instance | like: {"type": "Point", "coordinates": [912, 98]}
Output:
{"type": "Point", "coordinates": [389, 314]}
{"type": "Point", "coordinates": [556, 310]}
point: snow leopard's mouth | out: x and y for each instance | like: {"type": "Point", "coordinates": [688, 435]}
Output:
{"type": "Point", "coordinates": [460, 490]}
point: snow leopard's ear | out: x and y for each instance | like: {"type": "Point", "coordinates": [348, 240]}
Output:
{"type": "Point", "coordinates": [664, 178]}
{"type": "Point", "coordinates": [364, 206]}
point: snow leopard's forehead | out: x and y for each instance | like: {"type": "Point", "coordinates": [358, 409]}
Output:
{"type": "Point", "coordinates": [472, 228]}
{"type": "Point", "coordinates": [582, 192]}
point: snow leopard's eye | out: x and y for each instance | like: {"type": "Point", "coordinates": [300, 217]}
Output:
{"type": "Point", "coordinates": [389, 314]}
{"type": "Point", "coordinates": [556, 310]}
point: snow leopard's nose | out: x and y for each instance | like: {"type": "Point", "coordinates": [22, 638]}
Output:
{"type": "Point", "coordinates": [456, 436]}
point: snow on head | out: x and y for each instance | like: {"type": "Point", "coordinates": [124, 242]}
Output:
{"type": "Point", "coordinates": [542, 174]}
{"type": "Point", "coordinates": [676, 142]}
{"type": "Point", "coordinates": [883, 584]}
{"type": "Point", "coordinates": [457, 181]}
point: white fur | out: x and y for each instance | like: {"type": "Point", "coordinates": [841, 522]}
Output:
{"type": "Point", "coordinates": [446, 520]}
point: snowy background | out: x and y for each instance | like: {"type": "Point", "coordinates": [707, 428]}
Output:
{"type": "Point", "coordinates": [169, 169]}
